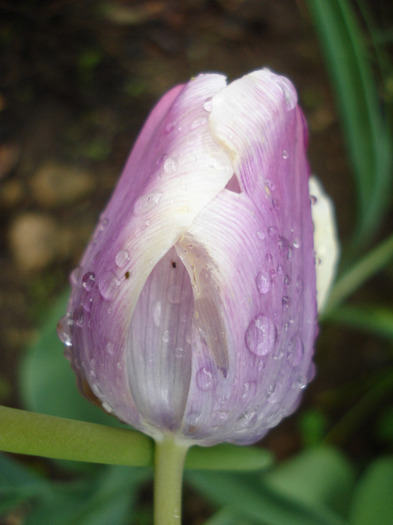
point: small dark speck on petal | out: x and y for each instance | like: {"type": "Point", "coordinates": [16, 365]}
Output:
{"type": "Point", "coordinates": [127, 275]}
{"type": "Point", "coordinates": [173, 264]}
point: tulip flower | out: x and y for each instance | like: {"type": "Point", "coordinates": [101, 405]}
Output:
{"type": "Point", "coordinates": [193, 312]}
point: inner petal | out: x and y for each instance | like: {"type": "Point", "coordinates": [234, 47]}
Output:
{"type": "Point", "coordinates": [159, 344]}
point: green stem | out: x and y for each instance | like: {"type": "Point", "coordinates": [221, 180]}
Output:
{"type": "Point", "coordinates": [168, 476]}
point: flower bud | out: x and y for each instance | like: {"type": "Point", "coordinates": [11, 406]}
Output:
{"type": "Point", "coordinates": [193, 310]}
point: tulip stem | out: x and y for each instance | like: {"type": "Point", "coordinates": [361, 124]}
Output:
{"type": "Point", "coordinates": [168, 476]}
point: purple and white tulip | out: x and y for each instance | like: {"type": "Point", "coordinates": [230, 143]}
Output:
{"type": "Point", "coordinates": [193, 311]}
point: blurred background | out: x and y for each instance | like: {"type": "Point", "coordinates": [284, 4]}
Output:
{"type": "Point", "coordinates": [77, 80]}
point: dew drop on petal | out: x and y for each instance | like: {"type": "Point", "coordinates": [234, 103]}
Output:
{"type": "Point", "coordinates": [260, 235]}
{"type": "Point", "coordinates": [79, 316]}
{"type": "Point", "coordinates": [197, 123]}
{"type": "Point", "coordinates": [122, 258]}
{"type": "Point", "coordinates": [147, 202]}
{"type": "Point", "coordinates": [65, 329]}
{"type": "Point", "coordinates": [75, 276]}
{"type": "Point", "coordinates": [108, 284]}
{"type": "Point", "coordinates": [87, 303]}
{"type": "Point", "coordinates": [300, 382]}
{"type": "Point", "coordinates": [88, 281]}
{"type": "Point", "coordinates": [295, 351]}
{"type": "Point", "coordinates": [169, 127]}
{"type": "Point", "coordinates": [285, 154]}
{"type": "Point", "coordinates": [263, 282]}
{"type": "Point", "coordinates": [296, 243]}
{"type": "Point", "coordinates": [204, 379]}
{"type": "Point", "coordinates": [166, 337]}
{"type": "Point", "coordinates": [285, 301]}
{"type": "Point", "coordinates": [261, 335]}
{"type": "Point", "coordinates": [110, 347]}
{"type": "Point", "coordinates": [179, 352]}
{"type": "Point", "coordinates": [272, 231]}
{"type": "Point", "coordinates": [170, 165]}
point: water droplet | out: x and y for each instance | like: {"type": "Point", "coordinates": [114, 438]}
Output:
{"type": "Point", "coordinates": [276, 204]}
{"type": "Point", "coordinates": [157, 310]}
{"type": "Point", "coordinates": [170, 165]}
{"type": "Point", "coordinates": [285, 301]}
{"type": "Point", "coordinates": [295, 351]}
{"type": "Point", "coordinates": [87, 303]}
{"type": "Point", "coordinates": [261, 335]}
{"type": "Point", "coordinates": [110, 347]}
{"type": "Point", "coordinates": [299, 285]}
{"type": "Point", "coordinates": [79, 316]}
{"type": "Point", "coordinates": [313, 199]}
{"type": "Point", "coordinates": [285, 154]}
{"type": "Point", "coordinates": [169, 126]}
{"type": "Point", "coordinates": [260, 235]}
{"type": "Point", "coordinates": [122, 258]}
{"type": "Point", "coordinates": [108, 284]}
{"type": "Point", "coordinates": [107, 407]}
{"type": "Point", "coordinates": [287, 280]}
{"type": "Point", "coordinates": [270, 390]}
{"type": "Point", "coordinates": [88, 281]}
{"type": "Point", "coordinates": [283, 246]}
{"type": "Point", "coordinates": [179, 352]}
{"type": "Point", "coordinates": [75, 276]}
{"type": "Point", "coordinates": [280, 269]}
{"type": "Point", "coordinates": [166, 337]}
{"type": "Point", "coordinates": [318, 261]}
{"type": "Point", "coordinates": [65, 329]}
{"type": "Point", "coordinates": [222, 415]}
{"type": "Point", "coordinates": [204, 379]}
{"type": "Point", "coordinates": [263, 282]}
{"type": "Point", "coordinates": [208, 104]}
{"type": "Point", "coordinates": [147, 202]}
{"type": "Point", "coordinates": [296, 243]}
{"type": "Point", "coordinates": [290, 97]}
{"type": "Point", "coordinates": [174, 294]}
{"type": "Point", "coordinates": [197, 123]}
{"type": "Point", "coordinates": [272, 231]}
{"type": "Point", "coordinates": [269, 258]}
{"type": "Point", "coordinates": [300, 382]}
{"type": "Point", "coordinates": [270, 185]}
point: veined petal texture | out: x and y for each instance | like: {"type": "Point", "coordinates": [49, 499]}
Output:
{"type": "Point", "coordinates": [194, 308]}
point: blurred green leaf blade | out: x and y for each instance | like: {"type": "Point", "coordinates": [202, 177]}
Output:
{"type": "Point", "coordinates": [366, 129]}
{"type": "Point", "coordinates": [373, 498]}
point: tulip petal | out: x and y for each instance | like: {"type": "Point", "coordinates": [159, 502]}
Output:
{"type": "Point", "coordinates": [258, 254]}
{"type": "Point", "coordinates": [159, 344]}
{"type": "Point", "coordinates": [175, 169]}
{"type": "Point", "coordinates": [326, 245]}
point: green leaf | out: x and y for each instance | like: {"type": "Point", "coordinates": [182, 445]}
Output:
{"type": "Point", "coordinates": [99, 500]}
{"type": "Point", "coordinates": [254, 500]}
{"type": "Point", "coordinates": [319, 475]}
{"type": "Point", "coordinates": [373, 498]}
{"type": "Point", "coordinates": [366, 131]}
{"type": "Point", "coordinates": [47, 382]}
{"type": "Point", "coordinates": [18, 484]}
{"type": "Point", "coordinates": [228, 516]}
{"type": "Point", "coordinates": [228, 457]}
{"type": "Point", "coordinates": [367, 318]}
